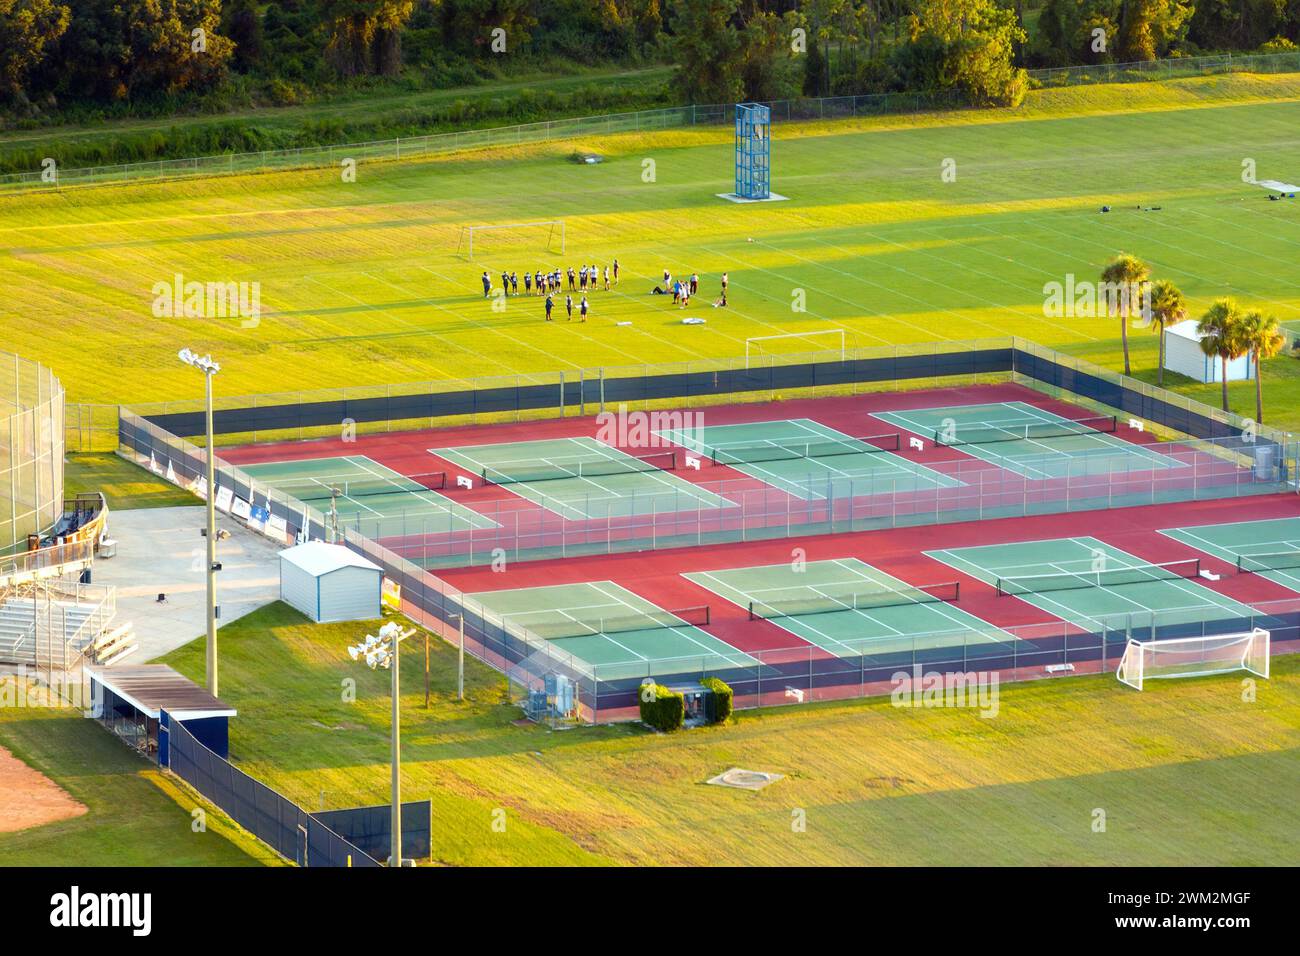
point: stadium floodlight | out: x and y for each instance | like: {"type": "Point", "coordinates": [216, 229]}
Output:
{"type": "Point", "coordinates": [381, 652]}
{"type": "Point", "coordinates": [209, 368]}
{"type": "Point", "coordinates": [1194, 657]}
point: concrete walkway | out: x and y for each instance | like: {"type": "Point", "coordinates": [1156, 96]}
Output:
{"type": "Point", "coordinates": [161, 550]}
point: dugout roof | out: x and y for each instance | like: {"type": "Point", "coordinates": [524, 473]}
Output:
{"type": "Point", "coordinates": [153, 688]}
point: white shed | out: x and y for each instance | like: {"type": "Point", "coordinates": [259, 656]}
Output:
{"type": "Point", "coordinates": [329, 582]}
{"type": "Point", "coordinates": [1183, 355]}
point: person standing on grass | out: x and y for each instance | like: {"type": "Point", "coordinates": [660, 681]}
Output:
{"type": "Point", "coordinates": [514, 283]}
{"type": "Point", "coordinates": [487, 284]}
{"type": "Point", "coordinates": [505, 283]}
{"type": "Point", "coordinates": [615, 272]}
{"type": "Point", "coordinates": [583, 308]}
{"type": "Point", "coordinates": [550, 304]}
{"type": "Point", "coordinates": [537, 281]}
{"type": "Point", "coordinates": [606, 278]}
{"type": "Point", "coordinates": [570, 278]}
{"type": "Point", "coordinates": [695, 282]}
{"type": "Point", "coordinates": [568, 306]}
{"type": "Point", "coordinates": [528, 282]}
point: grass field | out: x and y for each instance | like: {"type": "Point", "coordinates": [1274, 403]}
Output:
{"type": "Point", "coordinates": [1185, 772]}
{"type": "Point", "coordinates": [136, 815]}
{"type": "Point", "coordinates": [125, 485]}
{"type": "Point", "coordinates": [360, 282]}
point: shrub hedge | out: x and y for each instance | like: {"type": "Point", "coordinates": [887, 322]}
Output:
{"type": "Point", "coordinates": [661, 708]}
{"type": "Point", "coordinates": [721, 702]}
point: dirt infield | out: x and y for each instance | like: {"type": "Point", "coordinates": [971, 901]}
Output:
{"type": "Point", "coordinates": [28, 798]}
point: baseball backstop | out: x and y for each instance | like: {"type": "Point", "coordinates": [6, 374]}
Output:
{"type": "Point", "coordinates": [31, 451]}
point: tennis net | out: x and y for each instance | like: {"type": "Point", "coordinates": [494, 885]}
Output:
{"type": "Point", "coordinates": [822, 601]}
{"type": "Point", "coordinates": [322, 489]}
{"type": "Point", "coordinates": [549, 469]}
{"type": "Point", "coordinates": [748, 452]}
{"type": "Point", "coordinates": [1278, 561]}
{"type": "Point", "coordinates": [621, 623]}
{"type": "Point", "coordinates": [1022, 431]}
{"type": "Point", "coordinates": [1107, 578]}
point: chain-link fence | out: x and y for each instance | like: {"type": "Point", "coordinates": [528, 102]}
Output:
{"type": "Point", "coordinates": [31, 451]}
{"type": "Point", "coordinates": [641, 121]}
{"type": "Point", "coordinates": [1169, 69]}
{"type": "Point", "coordinates": [1227, 457]}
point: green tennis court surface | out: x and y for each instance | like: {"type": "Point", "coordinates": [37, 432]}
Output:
{"type": "Point", "coordinates": [1084, 580]}
{"type": "Point", "coordinates": [810, 460]}
{"type": "Point", "coordinates": [581, 478]}
{"type": "Point", "coordinates": [843, 606]}
{"type": "Point", "coordinates": [1030, 441]}
{"type": "Point", "coordinates": [1269, 548]}
{"type": "Point", "coordinates": [601, 623]}
{"type": "Point", "coordinates": [373, 497]}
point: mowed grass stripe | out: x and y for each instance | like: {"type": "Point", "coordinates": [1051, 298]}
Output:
{"type": "Point", "coordinates": [361, 284]}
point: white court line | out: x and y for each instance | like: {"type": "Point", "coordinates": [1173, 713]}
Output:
{"type": "Point", "coordinates": [800, 623]}
{"type": "Point", "coordinates": [1230, 553]}
{"type": "Point", "coordinates": [705, 648]}
{"type": "Point", "coordinates": [1205, 597]}
{"type": "Point", "coordinates": [567, 507]}
{"type": "Point", "coordinates": [882, 465]}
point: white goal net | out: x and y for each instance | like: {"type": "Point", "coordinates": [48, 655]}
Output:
{"type": "Point", "coordinates": [765, 349]}
{"type": "Point", "coordinates": [1194, 657]}
{"type": "Point", "coordinates": [511, 238]}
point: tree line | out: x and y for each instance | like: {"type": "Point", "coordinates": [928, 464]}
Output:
{"type": "Point", "coordinates": [60, 55]}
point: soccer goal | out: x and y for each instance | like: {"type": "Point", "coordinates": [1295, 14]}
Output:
{"type": "Point", "coordinates": [511, 237]}
{"type": "Point", "coordinates": [1194, 657]}
{"type": "Point", "coordinates": [795, 343]}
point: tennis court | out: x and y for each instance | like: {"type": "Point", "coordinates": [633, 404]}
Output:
{"type": "Point", "coordinates": [848, 608]}
{"type": "Point", "coordinates": [579, 478]}
{"type": "Point", "coordinates": [1084, 580]}
{"type": "Point", "coordinates": [373, 497]}
{"type": "Point", "coordinates": [810, 460]}
{"type": "Point", "coordinates": [1030, 441]}
{"type": "Point", "coordinates": [1269, 548]}
{"type": "Point", "coordinates": [602, 623]}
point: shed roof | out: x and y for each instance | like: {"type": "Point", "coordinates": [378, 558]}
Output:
{"type": "Point", "coordinates": [318, 558]}
{"type": "Point", "coordinates": [1186, 329]}
{"type": "Point", "coordinates": [153, 688]}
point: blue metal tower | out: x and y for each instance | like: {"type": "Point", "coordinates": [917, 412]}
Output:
{"type": "Point", "coordinates": [753, 151]}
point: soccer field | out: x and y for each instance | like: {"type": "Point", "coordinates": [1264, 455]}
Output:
{"type": "Point", "coordinates": [361, 282]}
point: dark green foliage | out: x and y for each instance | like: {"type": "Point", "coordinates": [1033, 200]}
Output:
{"type": "Point", "coordinates": [662, 708]}
{"type": "Point", "coordinates": [815, 70]}
{"type": "Point", "coordinates": [720, 702]}
{"type": "Point", "coordinates": [89, 60]}
{"type": "Point", "coordinates": [243, 24]}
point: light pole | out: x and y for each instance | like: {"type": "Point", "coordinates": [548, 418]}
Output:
{"type": "Point", "coordinates": [383, 651]}
{"type": "Point", "coordinates": [209, 368]}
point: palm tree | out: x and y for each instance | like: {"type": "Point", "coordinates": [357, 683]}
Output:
{"type": "Point", "coordinates": [1123, 275]}
{"type": "Point", "coordinates": [1167, 308]}
{"type": "Point", "coordinates": [1263, 339]}
{"type": "Point", "coordinates": [1221, 336]}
